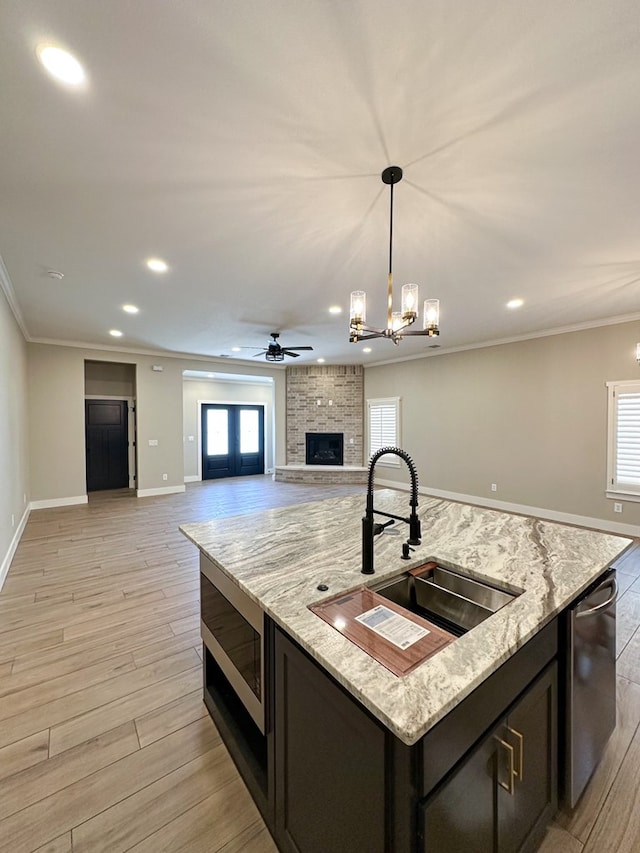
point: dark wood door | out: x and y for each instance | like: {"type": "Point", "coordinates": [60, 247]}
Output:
{"type": "Point", "coordinates": [106, 442]}
{"type": "Point", "coordinates": [330, 762]}
{"type": "Point", "coordinates": [232, 440]}
{"type": "Point", "coordinates": [531, 728]}
{"type": "Point", "coordinates": [461, 814]}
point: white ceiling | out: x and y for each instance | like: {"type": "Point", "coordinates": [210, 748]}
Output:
{"type": "Point", "coordinates": [243, 142]}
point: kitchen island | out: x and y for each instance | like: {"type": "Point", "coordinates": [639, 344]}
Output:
{"type": "Point", "coordinates": [329, 710]}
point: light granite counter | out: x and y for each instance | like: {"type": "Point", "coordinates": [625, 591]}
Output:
{"type": "Point", "coordinates": [278, 557]}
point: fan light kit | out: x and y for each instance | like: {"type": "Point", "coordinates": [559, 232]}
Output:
{"type": "Point", "coordinates": [398, 322]}
{"type": "Point", "coordinates": [275, 352]}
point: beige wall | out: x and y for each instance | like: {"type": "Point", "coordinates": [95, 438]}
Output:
{"type": "Point", "coordinates": [56, 385]}
{"type": "Point", "coordinates": [212, 391]}
{"type": "Point", "coordinates": [14, 488]}
{"type": "Point", "coordinates": [106, 379]}
{"type": "Point", "coordinates": [530, 417]}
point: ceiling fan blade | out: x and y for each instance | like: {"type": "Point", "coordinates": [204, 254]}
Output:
{"type": "Point", "coordinates": [289, 352]}
{"type": "Point", "coordinates": [298, 348]}
{"type": "Point", "coordinates": [258, 354]}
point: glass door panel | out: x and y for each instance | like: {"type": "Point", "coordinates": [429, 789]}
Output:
{"type": "Point", "coordinates": [217, 432]}
{"type": "Point", "coordinates": [249, 431]}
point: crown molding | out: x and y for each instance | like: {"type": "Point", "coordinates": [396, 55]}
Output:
{"type": "Point", "coordinates": [7, 289]}
{"type": "Point", "coordinates": [184, 356]}
{"type": "Point", "coordinates": [560, 330]}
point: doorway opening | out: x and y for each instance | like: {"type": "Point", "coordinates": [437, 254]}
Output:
{"type": "Point", "coordinates": [110, 426]}
{"type": "Point", "coordinates": [232, 440]}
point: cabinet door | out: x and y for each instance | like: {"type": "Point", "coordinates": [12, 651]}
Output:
{"type": "Point", "coordinates": [531, 730]}
{"type": "Point", "coordinates": [461, 815]}
{"type": "Point", "coordinates": [330, 762]}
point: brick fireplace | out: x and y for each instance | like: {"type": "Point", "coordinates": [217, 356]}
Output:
{"type": "Point", "coordinates": [325, 399]}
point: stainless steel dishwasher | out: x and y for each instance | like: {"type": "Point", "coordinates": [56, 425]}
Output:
{"type": "Point", "coordinates": [590, 712]}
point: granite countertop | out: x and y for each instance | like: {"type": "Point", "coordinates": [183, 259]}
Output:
{"type": "Point", "coordinates": [278, 557]}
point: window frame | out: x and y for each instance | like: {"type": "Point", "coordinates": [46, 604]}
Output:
{"type": "Point", "coordinates": [615, 490]}
{"type": "Point", "coordinates": [389, 460]}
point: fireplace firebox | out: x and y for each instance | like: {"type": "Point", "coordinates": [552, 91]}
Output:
{"type": "Point", "coordinates": [324, 448]}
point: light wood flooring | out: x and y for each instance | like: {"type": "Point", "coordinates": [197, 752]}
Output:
{"type": "Point", "coordinates": [105, 744]}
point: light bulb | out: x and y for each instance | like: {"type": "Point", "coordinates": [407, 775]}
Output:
{"type": "Point", "coordinates": [410, 301]}
{"type": "Point", "coordinates": [431, 314]}
{"type": "Point", "coordinates": [358, 311]}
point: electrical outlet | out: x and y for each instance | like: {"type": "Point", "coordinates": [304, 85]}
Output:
{"type": "Point", "coordinates": [494, 487]}
{"type": "Point", "coordinates": [617, 507]}
{"type": "Point", "coordinates": [153, 442]}
{"type": "Point", "coordinates": [165, 476]}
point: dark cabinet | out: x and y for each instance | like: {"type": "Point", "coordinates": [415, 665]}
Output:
{"type": "Point", "coordinates": [461, 815]}
{"type": "Point", "coordinates": [525, 807]}
{"type": "Point", "coordinates": [330, 762]}
{"type": "Point", "coordinates": [502, 795]}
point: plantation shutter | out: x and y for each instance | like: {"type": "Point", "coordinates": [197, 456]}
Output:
{"type": "Point", "coordinates": [627, 438]}
{"type": "Point", "coordinates": [383, 425]}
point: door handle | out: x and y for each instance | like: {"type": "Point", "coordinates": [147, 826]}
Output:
{"type": "Point", "coordinates": [519, 772]}
{"type": "Point", "coordinates": [508, 786]}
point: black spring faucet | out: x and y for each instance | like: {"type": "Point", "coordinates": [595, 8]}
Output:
{"type": "Point", "coordinates": [371, 528]}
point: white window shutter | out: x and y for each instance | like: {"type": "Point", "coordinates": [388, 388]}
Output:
{"type": "Point", "coordinates": [384, 426]}
{"type": "Point", "coordinates": [627, 438]}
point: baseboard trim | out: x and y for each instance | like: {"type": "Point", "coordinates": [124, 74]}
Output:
{"type": "Point", "coordinates": [602, 524]}
{"type": "Point", "coordinates": [13, 546]}
{"type": "Point", "coordinates": [53, 502]}
{"type": "Point", "coordinates": [192, 478]}
{"type": "Point", "coordinates": [163, 490]}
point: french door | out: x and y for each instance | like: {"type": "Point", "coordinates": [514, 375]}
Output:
{"type": "Point", "coordinates": [232, 440]}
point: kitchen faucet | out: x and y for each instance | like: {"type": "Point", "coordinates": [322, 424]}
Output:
{"type": "Point", "coordinates": [371, 528]}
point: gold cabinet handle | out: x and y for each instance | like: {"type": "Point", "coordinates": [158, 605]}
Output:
{"type": "Point", "coordinates": [508, 786]}
{"type": "Point", "coordinates": [519, 772]}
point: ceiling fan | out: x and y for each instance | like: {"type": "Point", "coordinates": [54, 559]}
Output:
{"type": "Point", "coordinates": [275, 352]}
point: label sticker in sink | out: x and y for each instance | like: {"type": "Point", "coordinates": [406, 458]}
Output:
{"type": "Point", "coordinates": [392, 626]}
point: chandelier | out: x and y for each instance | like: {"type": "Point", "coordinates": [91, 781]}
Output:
{"type": "Point", "coordinates": [398, 322]}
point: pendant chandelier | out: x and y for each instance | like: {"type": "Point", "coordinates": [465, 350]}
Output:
{"type": "Point", "coordinates": [398, 322]}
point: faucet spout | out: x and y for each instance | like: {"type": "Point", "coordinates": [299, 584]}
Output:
{"type": "Point", "coordinates": [370, 528]}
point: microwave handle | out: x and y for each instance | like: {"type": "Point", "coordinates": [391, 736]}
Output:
{"type": "Point", "coordinates": [613, 584]}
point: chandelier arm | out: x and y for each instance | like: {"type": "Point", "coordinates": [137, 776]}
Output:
{"type": "Point", "coordinates": [428, 332]}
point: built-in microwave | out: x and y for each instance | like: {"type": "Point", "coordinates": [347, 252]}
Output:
{"type": "Point", "coordinates": [232, 628]}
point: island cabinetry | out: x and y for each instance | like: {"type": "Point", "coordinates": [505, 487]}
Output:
{"type": "Point", "coordinates": [504, 792]}
{"type": "Point", "coordinates": [483, 779]}
{"type": "Point", "coordinates": [330, 762]}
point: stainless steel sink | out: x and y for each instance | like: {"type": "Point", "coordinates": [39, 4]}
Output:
{"type": "Point", "coordinates": [448, 598]}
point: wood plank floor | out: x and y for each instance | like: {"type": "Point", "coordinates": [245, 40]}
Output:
{"type": "Point", "coordinates": [105, 744]}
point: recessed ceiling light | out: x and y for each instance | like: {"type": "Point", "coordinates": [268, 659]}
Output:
{"type": "Point", "coordinates": [61, 64]}
{"type": "Point", "coordinates": [130, 309]}
{"type": "Point", "coordinates": [366, 349]}
{"type": "Point", "coordinates": [320, 361]}
{"type": "Point", "coordinates": [157, 265]}
{"type": "Point", "coordinates": [116, 333]}
{"type": "Point", "coordinates": [235, 349]}
{"type": "Point", "coordinates": [515, 303]}
{"type": "Point", "coordinates": [335, 309]}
